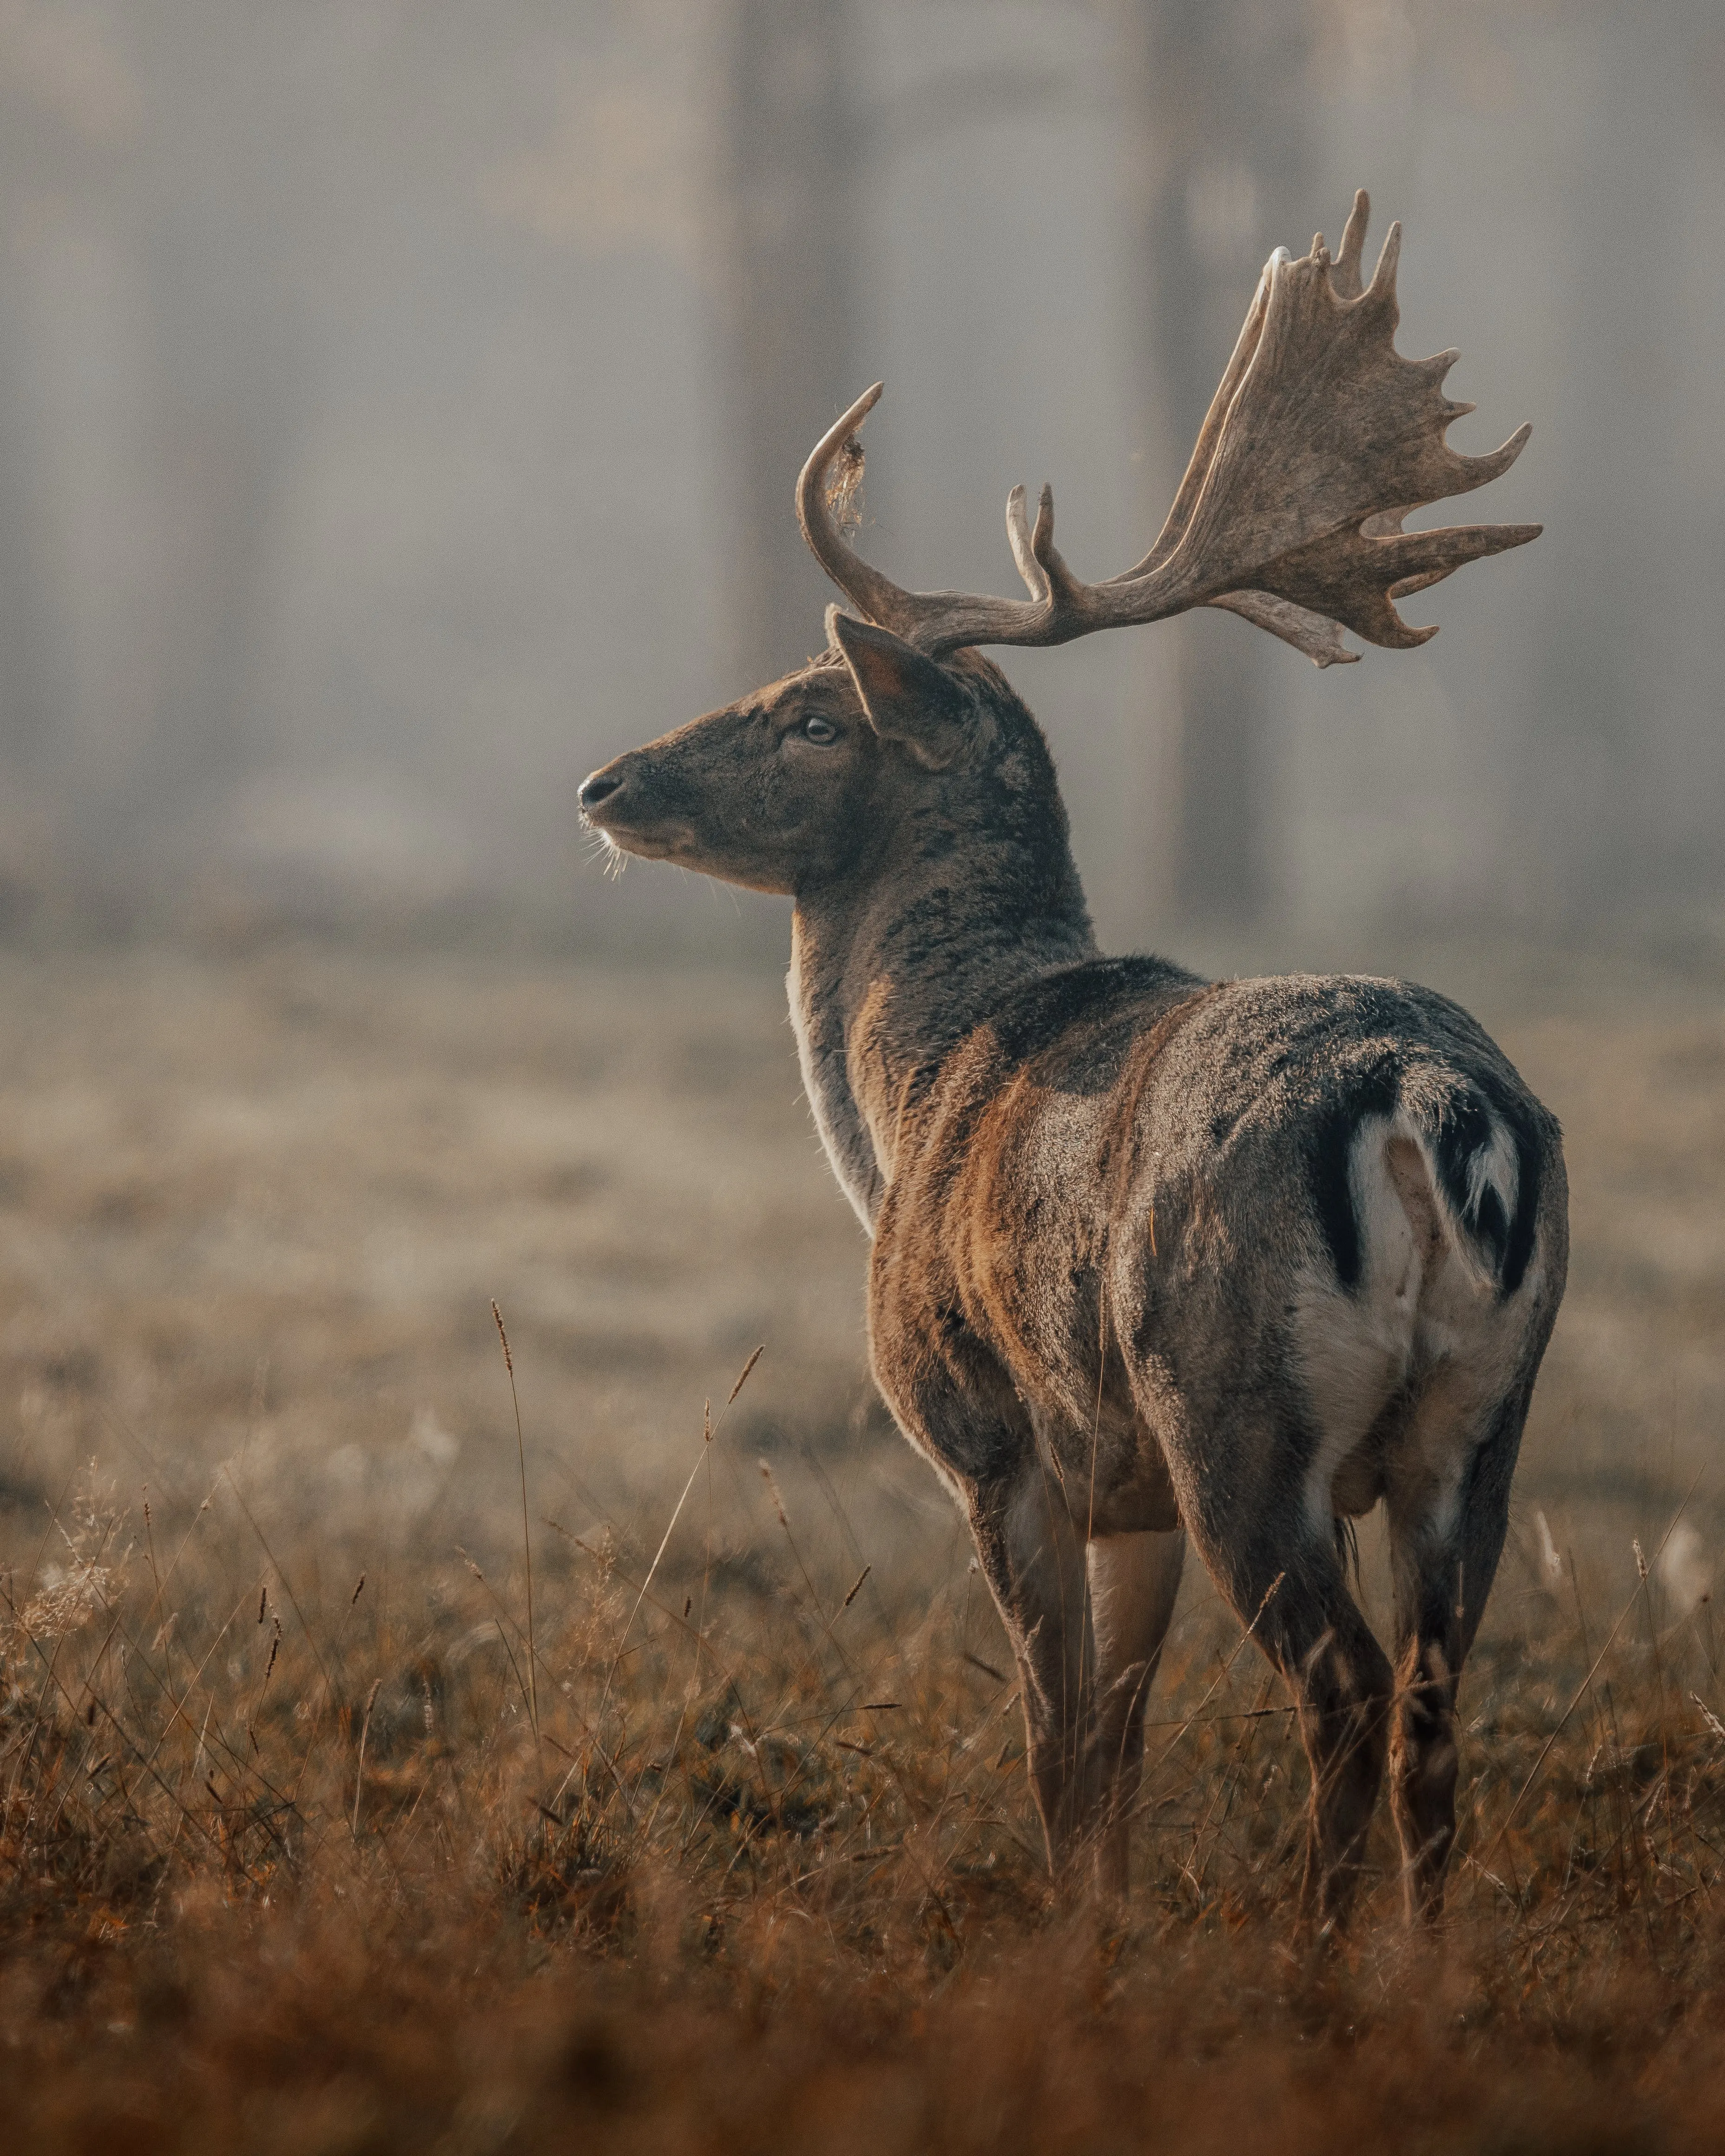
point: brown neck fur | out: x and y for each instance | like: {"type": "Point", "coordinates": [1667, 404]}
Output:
{"type": "Point", "coordinates": [911, 945]}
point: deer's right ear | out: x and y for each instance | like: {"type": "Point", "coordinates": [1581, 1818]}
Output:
{"type": "Point", "coordinates": [907, 697]}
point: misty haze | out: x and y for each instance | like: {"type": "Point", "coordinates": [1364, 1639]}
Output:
{"type": "Point", "coordinates": [400, 406]}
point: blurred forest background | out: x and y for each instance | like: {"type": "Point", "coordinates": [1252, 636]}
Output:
{"type": "Point", "coordinates": [400, 401]}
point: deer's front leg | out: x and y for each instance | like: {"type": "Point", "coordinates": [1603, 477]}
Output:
{"type": "Point", "coordinates": [1033, 1559]}
{"type": "Point", "coordinates": [1134, 1581]}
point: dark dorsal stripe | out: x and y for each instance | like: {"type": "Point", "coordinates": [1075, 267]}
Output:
{"type": "Point", "coordinates": [1375, 1092]}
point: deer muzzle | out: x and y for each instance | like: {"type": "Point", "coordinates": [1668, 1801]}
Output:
{"type": "Point", "coordinates": [621, 800]}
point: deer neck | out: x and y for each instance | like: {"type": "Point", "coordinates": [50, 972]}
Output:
{"type": "Point", "coordinates": [886, 978]}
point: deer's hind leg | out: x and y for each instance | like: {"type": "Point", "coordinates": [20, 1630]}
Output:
{"type": "Point", "coordinates": [1449, 1513]}
{"type": "Point", "coordinates": [1274, 1556]}
{"type": "Point", "coordinates": [1342, 1684]}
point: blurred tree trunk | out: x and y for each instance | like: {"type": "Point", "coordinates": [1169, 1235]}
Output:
{"type": "Point", "coordinates": [27, 694]}
{"type": "Point", "coordinates": [784, 274]}
{"type": "Point", "coordinates": [230, 440]}
{"type": "Point", "coordinates": [1216, 92]}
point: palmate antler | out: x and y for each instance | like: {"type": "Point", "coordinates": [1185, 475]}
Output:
{"type": "Point", "coordinates": [1319, 441]}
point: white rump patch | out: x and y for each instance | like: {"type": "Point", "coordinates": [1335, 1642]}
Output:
{"type": "Point", "coordinates": [1425, 1307]}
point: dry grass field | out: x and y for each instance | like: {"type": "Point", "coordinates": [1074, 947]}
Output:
{"type": "Point", "coordinates": [324, 1828]}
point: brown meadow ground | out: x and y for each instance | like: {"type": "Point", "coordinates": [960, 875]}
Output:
{"type": "Point", "coordinates": [321, 1831]}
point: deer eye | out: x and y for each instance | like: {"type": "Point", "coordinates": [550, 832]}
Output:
{"type": "Point", "coordinates": [821, 732]}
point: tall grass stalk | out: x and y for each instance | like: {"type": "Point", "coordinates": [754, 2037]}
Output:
{"type": "Point", "coordinates": [521, 1449]}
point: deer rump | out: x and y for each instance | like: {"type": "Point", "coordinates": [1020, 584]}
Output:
{"type": "Point", "coordinates": [1319, 1214]}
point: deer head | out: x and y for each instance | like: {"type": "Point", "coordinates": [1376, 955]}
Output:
{"type": "Point", "coordinates": [798, 781]}
{"type": "Point", "coordinates": [1320, 440]}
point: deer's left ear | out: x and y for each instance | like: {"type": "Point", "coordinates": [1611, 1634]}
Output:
{"type": "Point", "coordinates": [907, 698]}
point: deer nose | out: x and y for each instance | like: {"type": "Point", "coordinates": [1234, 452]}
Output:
{"type": "Point", "coordinates": [600, 787]}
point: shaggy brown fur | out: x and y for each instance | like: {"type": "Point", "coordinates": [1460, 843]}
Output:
{"type": "Point", "coordinates": [1151, 1258]}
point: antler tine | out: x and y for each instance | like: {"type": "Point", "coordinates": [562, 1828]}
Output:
{"type": "Point", "coordinates": [1480, 471]}
{"type": "Point", "coordinates": [1344, 274]}
{"type": "Point", "coordinates": [1068, 599]}
{"type": "Point", "coordinates": [1317, 637]}
{"type": "Point", "coordinates": [1416, 559]}
{"type": "Point", "coordinates": [882, 602]}
{"type": "Point", "coordinates": [1381, 291]}
{"type": "Point", "coordinates": [1320, 440]}
{"type": "Point", "coordinates": [1042, 543]}
{"type": "Point", "coordinates": [1023, 544]}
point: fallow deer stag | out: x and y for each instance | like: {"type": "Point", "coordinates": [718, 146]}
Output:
{"type": "Point", "coordinates": [1153, 1257]}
